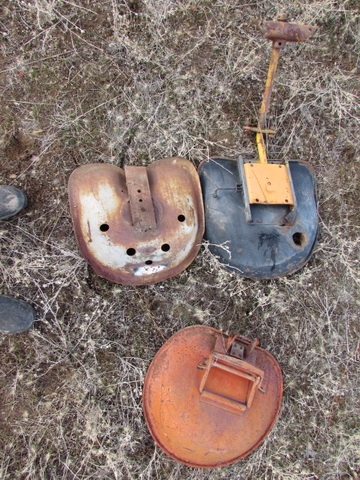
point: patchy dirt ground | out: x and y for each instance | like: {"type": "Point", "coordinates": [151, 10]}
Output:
{"type": "Point", "coordinates": [129, 83]}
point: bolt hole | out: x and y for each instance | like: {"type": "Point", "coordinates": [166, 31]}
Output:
{"type": "Point", "coordinates": [165, 247]}
{"type": "Point", "coordinates": [181, 218]}
{"type": "Point", "coordinates": [140, 199]}
{"type": "Point", "coordinates": [257, 200]}
{"type": "Point", "coordinates": [104, 227]}
{"type": "Point", "coordinates": [139, 191]}
{"type": "Point", "coordinates": [131, 252]}
{"type": "Point", "coordinates": [148, 262]}
{"type": "Point", "coordinates": [299, 239]}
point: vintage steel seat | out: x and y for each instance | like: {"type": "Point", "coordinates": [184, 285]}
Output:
{"type": "Point", "coordinates": [137, 225]}
{"type": "Point", "coordinates": [261, 217]}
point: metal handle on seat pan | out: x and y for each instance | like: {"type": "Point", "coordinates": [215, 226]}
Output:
{"type": "Point", "coordinates": [213, 391]}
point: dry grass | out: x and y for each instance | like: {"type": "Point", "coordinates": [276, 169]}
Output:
{"type": "Point", "coordinates": [134, 81]}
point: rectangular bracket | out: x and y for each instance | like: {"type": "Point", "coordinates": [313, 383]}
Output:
{"type": "Point", "coordinates": [229, 383]}
{"type": "Point", "coordinates": [268, 183]}
{"type": "Point", "coordinates": [141, 204]}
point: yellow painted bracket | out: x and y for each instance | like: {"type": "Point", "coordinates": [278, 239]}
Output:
{"type": "Point", "coordinates": [269, 183]}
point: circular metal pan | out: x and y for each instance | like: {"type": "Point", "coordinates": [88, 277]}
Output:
{"type": "Point", "coordinates": [209, 400]}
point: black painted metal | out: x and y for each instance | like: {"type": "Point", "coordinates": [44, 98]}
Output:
{"type": "Point", "coordinates": [266, 247]}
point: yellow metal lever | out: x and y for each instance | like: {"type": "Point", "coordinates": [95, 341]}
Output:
{"type": "Point", "coordinates": [267, 183]}
{"type": "Point", "coordinates": [265, 106]}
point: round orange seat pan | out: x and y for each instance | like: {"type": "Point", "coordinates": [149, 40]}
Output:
{"type": "Point", "coordinates": [210, 399]}
{"type": "Point", "coordinates": [137, 225]}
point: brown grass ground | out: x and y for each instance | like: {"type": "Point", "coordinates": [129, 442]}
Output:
{"type": "Point", "coordinates": [131, 82]}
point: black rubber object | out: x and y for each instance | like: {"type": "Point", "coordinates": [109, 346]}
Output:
{"type": "Point", "coordinates": [12, 201]}
{"type": "Point", "coordinates": [263, 248]}
{"type": "Point", "coordinates": [16, 315]}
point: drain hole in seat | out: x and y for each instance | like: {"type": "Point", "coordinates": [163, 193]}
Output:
{"type": "Point", "coordinates": [148, 262]}
{"type": "Point", "coordinates": [104, 227]}
{"type": "Point", "coordinates": [181, 218]}
{"type": "Point", "coordinates": [131, 251]}
{"type": "Point", "coordinates": [299, 239]}
{"type": "Point", "coordinates": [165, 247]}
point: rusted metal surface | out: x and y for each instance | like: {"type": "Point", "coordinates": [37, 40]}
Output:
{"type": "Point", "coordinates": [266, 131]}
{"type": "Point", "coordinates": [209, 399]}
{"type": "Point", "coordinates": [141, 204]}
{"type": "Point", "coordinates": [137, 226]}
{"type": "Point", "coordinates": [281, 31]}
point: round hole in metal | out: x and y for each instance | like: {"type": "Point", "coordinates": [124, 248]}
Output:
{"type": "Point", "coordinates": [181, 218]}
{"type": "Point", "coordinates": [148, 262]}
{"type": "Point", "coordinates": [104, 227]}
{"type": "Point", "coordinates": [165, 247]}
{"type": "Point", "coordinates": [299, 239]}
{"type": "Point", "coordinates": [131, 251]}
